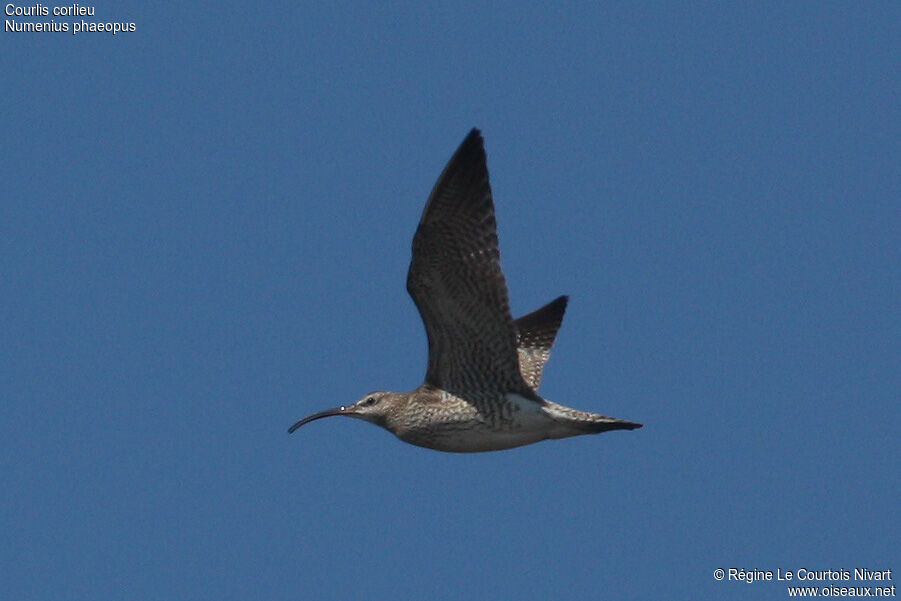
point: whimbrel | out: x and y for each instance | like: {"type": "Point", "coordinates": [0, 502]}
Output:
{"type": "Point", "coordinates": [481, 386]}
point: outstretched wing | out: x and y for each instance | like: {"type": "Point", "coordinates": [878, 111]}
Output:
{"type": "Point", "coordinates": [455, 280]}
{"type": "Point", "coordinates": [536, 334]}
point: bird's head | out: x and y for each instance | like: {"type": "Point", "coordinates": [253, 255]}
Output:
{"type": "Point", "coordinates": [375, 407]}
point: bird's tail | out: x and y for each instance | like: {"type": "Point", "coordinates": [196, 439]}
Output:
{"type": "Point", "coordinates": [585, 422]}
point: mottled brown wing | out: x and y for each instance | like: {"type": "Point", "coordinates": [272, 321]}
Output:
{"type": "Point", "coordinates": [536, 334]}
{"type": "Point", "coordinates": [456, 281]}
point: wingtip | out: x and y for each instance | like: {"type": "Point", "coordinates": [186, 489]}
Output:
{"type": "Point", "coordinates": [472, 141]}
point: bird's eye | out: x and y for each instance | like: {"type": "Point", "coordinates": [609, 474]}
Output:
{"type": "Point", "coordinates": [369, 401]}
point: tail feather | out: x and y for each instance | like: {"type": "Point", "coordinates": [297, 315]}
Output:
{"type": "Point", "coordinates": [585, 422]}
{"type": "Point", "coordinates": [611, 423]}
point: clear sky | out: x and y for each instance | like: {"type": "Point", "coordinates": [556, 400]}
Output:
{"type": "Point", "coordinates": [205, 228]}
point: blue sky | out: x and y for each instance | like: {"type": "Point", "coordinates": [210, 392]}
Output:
{"type": "Point", "coordinates": [205, 229]}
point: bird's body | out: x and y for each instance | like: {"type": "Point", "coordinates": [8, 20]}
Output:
{"type": "Point", "coordinates": [438, 420]}
{"type": "Point", "coordinates": [481, 387]}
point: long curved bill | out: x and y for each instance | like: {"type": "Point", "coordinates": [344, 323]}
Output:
{"type": "Point", "coordinates": [342, 410]}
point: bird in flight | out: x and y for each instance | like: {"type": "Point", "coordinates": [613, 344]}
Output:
{"type": "Point", "coordinates": [481, 385]}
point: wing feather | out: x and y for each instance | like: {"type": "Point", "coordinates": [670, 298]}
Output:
{"type": "Point", "coordinates": [457, 284]}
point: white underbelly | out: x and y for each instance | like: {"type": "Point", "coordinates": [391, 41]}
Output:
{"type": "Point", "coordinates": [523, 422]}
